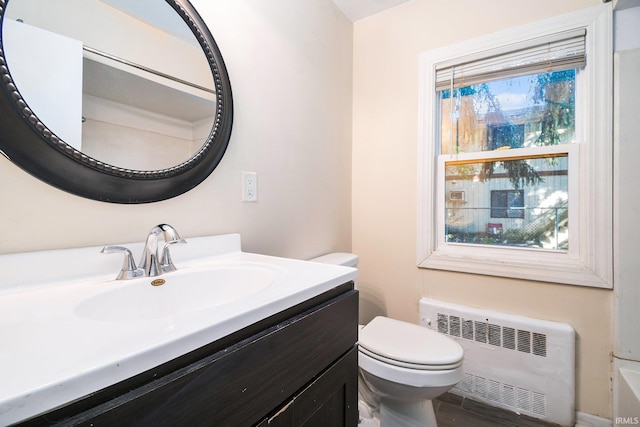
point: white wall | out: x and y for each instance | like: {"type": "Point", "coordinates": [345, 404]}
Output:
{"type": "Point", "coordinates": [627, 206]}
{"type": "Point", "coordinates": [626, 347]}
{"type": "Point", "coordinates": [626, 29]}
{"type": "Point", "coordinates": [57, 96]}
{"type": "Point", "coordinates": [292, 85]}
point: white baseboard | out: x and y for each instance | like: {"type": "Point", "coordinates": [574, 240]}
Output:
{"type": "Point", "coordinates": [587, 420]}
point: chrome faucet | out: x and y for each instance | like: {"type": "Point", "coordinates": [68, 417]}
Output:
{"type": "Point", "coordinates": [151, 264]}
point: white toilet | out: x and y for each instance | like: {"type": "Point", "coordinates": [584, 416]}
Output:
{"type": "Point", "coordinates": [403, 367]}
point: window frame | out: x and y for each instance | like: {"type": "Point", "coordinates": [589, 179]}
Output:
{"type": "Point", "coordinates": [589, 260]}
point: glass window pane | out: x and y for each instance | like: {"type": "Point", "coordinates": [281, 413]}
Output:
{"type": "Point", "coordinates": [527, 111]}
{"type": "Point", "coordinates": [516, 203]}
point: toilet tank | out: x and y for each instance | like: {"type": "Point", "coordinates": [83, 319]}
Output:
{"type": "Point", "coordinates": [338, 258]}
{"type": "Point", "coordinates": [345, 259]}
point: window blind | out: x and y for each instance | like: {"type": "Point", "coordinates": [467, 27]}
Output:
{"type": "Point", "coordinates": [560, 51]}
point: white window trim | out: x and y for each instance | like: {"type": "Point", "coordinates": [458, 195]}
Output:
{"type": "Point", "coordinates": [589, 262]}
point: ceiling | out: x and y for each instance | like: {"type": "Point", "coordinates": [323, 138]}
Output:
{"type": "Point", "coordinates": [359, 9]}
{"type": "Point", "coordinates": [625, 4]}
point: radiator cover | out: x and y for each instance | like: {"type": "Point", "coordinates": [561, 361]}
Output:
{"type": "Point", "coordinates": [512, 362]}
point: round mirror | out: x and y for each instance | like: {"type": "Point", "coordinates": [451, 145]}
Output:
{"type": "Point", "coordinates": [114, 100]}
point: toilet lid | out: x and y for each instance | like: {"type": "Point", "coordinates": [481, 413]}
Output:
{"type": "Point", "coordinates": [408, 343]}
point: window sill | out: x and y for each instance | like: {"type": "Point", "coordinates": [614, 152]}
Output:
{"type": "Point", "coordinates": [543, 267]}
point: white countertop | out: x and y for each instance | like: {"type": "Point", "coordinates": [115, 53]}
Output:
{"type": "Point", "coordinates": [51, 355]}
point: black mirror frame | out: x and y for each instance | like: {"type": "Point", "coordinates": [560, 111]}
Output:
{"type": "Point", "coordinates": [30, 145]}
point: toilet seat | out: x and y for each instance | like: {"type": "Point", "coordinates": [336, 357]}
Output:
{"type": "Point", "coordinates": [407, 365]}
{"type": "Point", "coordinates": [407, 376]}
{"type": "Point", "coordinates": [408, 345]}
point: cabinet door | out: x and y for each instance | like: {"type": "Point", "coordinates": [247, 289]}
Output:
{"type": "Point", "coordinates": [330, 400]}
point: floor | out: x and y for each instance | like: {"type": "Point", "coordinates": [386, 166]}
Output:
{"type": "Point", "coordinates": [455, 411]}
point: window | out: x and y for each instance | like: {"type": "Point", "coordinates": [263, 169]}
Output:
{"type": "Point", "coordinates": [507, 204]}
{"type": "Point", "coordinates": [530, 196]}
{"type": "Point", "coordinates": [519, 123]}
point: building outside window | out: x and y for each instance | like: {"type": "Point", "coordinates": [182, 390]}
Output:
{"type": "Point", "coordinates": [507, 204]}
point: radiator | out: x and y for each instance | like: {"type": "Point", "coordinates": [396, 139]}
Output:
{"type": "Point", "coordinates": [512, 362]}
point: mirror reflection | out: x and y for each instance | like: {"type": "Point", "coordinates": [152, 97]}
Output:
{"type": "Point", "coordinates": [125, 82]}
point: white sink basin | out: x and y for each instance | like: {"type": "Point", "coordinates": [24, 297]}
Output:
{"type": "Point", "coordinates": [177, 293]}
{"type": "Point", "coordinates": [97, 331]}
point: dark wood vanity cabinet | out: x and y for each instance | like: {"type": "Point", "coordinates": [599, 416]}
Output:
{"type": "Point", "coordinates": [296, 368]}
{"type": "Point", "coordinates": [327, 401]}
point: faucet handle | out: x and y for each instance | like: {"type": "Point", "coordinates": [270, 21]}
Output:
{"type": "Point", "coordinates": [129, 270]}
{"type": "Point", "coordinates": [166, 264]}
